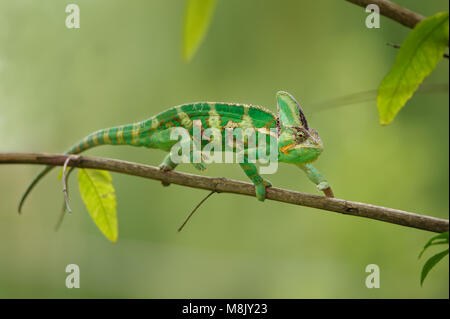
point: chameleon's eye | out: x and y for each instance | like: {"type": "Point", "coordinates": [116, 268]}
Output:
{"type": "Point", "coordinates": [300, 137]}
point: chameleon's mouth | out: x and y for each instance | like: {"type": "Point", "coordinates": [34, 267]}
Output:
{"type": "Point", "coordinates": [285, 149]}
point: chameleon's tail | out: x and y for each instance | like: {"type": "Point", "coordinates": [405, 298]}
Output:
{"type": "Point", "coordinates": [114, 136]}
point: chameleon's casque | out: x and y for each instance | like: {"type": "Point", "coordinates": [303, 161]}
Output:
{"type": "Point", "coordinates": [297, 143]}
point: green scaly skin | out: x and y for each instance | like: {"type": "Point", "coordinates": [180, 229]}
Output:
{"type": "Point", "coordinates": [297, 143]}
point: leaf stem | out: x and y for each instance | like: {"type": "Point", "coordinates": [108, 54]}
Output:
{"type": "Point", "coordinates": [396, 46]}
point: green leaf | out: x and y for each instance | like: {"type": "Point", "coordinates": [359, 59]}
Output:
{"type": "Point", "coordinates": [99, 197]}
{"type": "Point", "coordinates": [431, 263]}
{"type": "Point", "coordinates": [418, 56]}
{"type": "Point", "coordinates": [431, 242]}
{"type": "Point", "coordinates": [197, 19]}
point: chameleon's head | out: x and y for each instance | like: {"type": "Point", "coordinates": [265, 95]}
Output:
{"type": "Point", "coordinates": [297, 143]}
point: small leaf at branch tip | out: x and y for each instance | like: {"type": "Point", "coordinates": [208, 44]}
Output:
{"type": "Point", "coordinates": [97, 192]}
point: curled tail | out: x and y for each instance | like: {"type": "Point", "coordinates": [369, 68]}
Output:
{"type": "Point", "coordinates": [113, 136]}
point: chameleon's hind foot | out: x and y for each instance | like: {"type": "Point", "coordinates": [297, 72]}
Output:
{"type": "Point", "coordinates": [260, 189]}
{"type": "Point", "coordinates": [165, 167]}
{"type": "Point", "coordinates": [167, 164]}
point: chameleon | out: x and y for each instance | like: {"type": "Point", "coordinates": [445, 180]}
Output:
{"type": "Point", "coordinates": [297, 143]}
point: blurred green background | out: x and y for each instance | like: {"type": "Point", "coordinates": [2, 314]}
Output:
{"type": "Point", "coordinates": [124, 64]}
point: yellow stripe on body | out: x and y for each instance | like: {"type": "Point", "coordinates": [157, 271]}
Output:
{"type": "Point", "coordinates": [86, 143]}
{"type": "Point", "coordinates": [186, 121]}
{"type": "Point", "coordinates": [155, 123]}
{"type": "Point", "coordinates": [214, 120]}
{"type": "Point", "coordinates": [95, 139]}
{"type": "Point", "coordinates": [246, 119]}
{"type": "Point", "coordinates": [119, 135]}
{"type": "Point", "coordinates": [106, 138]}
{"type": "Point", "coordinates": [135, 134]}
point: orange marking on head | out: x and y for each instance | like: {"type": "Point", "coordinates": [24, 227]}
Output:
{"type": "Point", "coordinates": [284, 149]}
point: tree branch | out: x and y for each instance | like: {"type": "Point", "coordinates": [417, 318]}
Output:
{"type": "Point", "coordinates": [223, 185]}
{"type": "Point", "coordinates": [393, 11]}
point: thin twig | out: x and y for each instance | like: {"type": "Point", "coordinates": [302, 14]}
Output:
{"type": "Point", "coordinates": [398, 47]}
{"type": "Point", "coordinates": [194, 210]}
{"type": "Point", "coordinates": [223, 185]}
{"type": "Point", "coordinates": [393, 11]}
{"type": "Point", "coordinates": [64, 206]}
{"type": "Point", "coordinates": [64, 182]}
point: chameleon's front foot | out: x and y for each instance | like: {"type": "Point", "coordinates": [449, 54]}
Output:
{"type": "Point", "coordinates": [260, 189]}
{"type": "Point", "coordinates": [317, 178]}
{"type": "Point", "coordinates": [326, 189]}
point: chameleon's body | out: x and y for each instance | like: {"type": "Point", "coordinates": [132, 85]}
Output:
{"type": "Point", "coordinates": [297, 143]}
